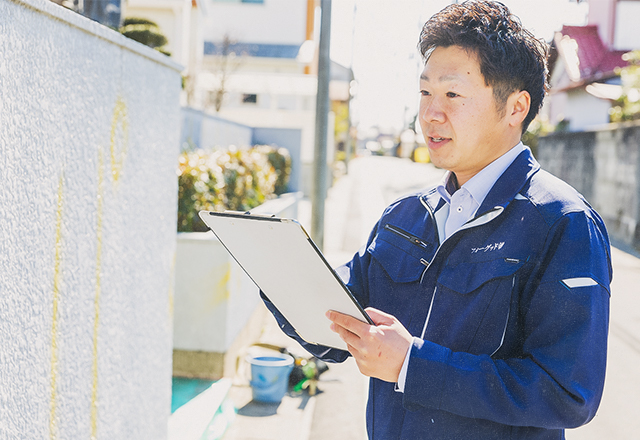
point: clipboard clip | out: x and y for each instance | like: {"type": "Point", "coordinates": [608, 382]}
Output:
{"type": "Point", "coordinates": [248, 213]}
{"type": "Point", "coordinates": [260, 215]}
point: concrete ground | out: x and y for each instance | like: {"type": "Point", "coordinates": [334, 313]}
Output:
{"type": "Point", "coordinates": [353, 205]}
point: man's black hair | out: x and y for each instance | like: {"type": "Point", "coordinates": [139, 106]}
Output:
{"type": "Point", "coordinates": [511, 58]}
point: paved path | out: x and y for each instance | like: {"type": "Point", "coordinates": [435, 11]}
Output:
{"type": "Point", "coordinates": [353, 206]}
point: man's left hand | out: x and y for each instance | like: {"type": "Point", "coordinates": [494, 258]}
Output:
{"type": "Point", "coordinates": [380, 349]}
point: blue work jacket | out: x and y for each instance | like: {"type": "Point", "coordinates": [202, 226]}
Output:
{"type": "Point", "coordinates": [511, 312]}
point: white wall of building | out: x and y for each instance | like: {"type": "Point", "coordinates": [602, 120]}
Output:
{"type": "Point", "coordinates": [261, 23]}
{"type": "Point", "coordinates": [585, 110]}
{"type": "Point", "coordinates": [617, 22]}
{"type": "Point", "coordinates": [602, 13]}
{"type": "Point", "coordinates": [627, 36]}
{"type": "Point", "coordinates": [181, 21]}
{"type": "Point", "coordinates": [173, 19]}
{"type": "Point", "coordinates": [89, 136]}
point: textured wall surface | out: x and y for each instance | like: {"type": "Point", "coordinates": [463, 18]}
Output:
{"type": "Point", "coordinates": [604, 165]}
{"type": "Point", "coordinates": [89, 135]}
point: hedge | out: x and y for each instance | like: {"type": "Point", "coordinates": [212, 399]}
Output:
{"type": "Point", "coordinates": [231, 179]}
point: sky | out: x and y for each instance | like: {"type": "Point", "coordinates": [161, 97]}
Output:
{"type": "Point", "coordinates": [378, 39]}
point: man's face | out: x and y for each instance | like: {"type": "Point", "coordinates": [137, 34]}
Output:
{"type": "Point", "coordinates": [460, 121]}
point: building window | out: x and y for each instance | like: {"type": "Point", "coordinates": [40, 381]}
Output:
{"type": "Point", "coordinates": [249, 98]}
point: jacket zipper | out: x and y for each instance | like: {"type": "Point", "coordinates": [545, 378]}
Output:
{"type": "Point", "coordinates": [506, 322]}
{"type": "Point", "coordinates": [495, 212]}
{"type": "Point", "coordinates": [406, 235]}
{"type": "Point", "coordinates": [432, 216]}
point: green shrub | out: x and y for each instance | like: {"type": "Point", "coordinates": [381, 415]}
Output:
{"type": "Point", "coordinates": [146, 32]}
{"type": "Point", "coordinates": [231, 179]}
{"type": "Point", "coordinates": [627, 106]}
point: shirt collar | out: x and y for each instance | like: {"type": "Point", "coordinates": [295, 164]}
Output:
{"type": "Point", "coordinates": [480, 184]}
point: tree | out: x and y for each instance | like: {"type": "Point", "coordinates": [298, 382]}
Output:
{"type": "Point", "coordinates": [227, 63]}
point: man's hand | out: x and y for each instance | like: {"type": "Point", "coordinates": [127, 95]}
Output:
{"type": "Point", "coordinates": [380, 349]}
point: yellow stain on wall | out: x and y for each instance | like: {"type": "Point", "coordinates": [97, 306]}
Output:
{"type": "Point", "coordinates": [53, 428]}
{"type": "Point", "coordinates": [221, 290]}
{"type": "Point", "coordinates": [119, 131]}
{"type": "Point", "coordinates": [96, 322]}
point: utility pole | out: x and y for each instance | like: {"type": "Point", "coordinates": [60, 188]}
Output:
{"type": "Point", "coordinates": [319, 193]}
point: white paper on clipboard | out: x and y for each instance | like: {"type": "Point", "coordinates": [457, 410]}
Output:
{"type": "Point", "coordinates": [285, 264]}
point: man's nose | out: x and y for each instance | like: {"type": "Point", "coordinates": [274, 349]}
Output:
{"type": "Point", "coordinates": [431, 110]}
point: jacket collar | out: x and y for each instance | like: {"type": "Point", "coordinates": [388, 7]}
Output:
{"type": "Point", "coordinates": [511, 182]}
{"type": "Point", "coordinates": [506, 188]}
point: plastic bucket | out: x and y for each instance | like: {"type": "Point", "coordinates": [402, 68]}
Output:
{"type": "Point", "coordinates": [270, 376]}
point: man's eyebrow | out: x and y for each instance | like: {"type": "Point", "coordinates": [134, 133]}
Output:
{"type": "Point", "coordinates": [443, 78]}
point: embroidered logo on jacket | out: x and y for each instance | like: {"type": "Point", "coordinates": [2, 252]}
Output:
{"type": "Point", "coordinates": [488, 248]}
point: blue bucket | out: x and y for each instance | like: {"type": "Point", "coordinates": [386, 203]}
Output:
{"type": "Point", "coordinates": [270, 376]}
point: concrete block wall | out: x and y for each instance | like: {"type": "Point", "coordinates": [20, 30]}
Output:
{"type": "Point", "coordinates": [604, 165]}
{"type": "Point", "coordinates": [89, 137]}
{"type": "Point", "coordinates": [218, 310]}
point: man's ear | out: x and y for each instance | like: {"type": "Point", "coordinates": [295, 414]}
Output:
{"type": "Point", "coordinates": [518, 105]}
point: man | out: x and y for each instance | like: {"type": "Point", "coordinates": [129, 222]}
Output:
{"type": "Point", "coordinates": [490, 292]}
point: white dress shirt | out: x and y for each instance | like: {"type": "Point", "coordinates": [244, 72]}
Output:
{"type": "Point", "coordinates": [461, 206]}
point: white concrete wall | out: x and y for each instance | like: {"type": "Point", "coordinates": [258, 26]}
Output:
{"type": "Point", "coordinates": [214, 297]}
{"type": "Point", "coordinates": [89, 136]}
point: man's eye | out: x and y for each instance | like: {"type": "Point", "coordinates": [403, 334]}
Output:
{"type": "Point", "coordinates": [424, 93]}
{"type": "Point", "coordinates": [452, 95]}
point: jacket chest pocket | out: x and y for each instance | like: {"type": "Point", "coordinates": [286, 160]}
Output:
{"type": "Point", "coordinates": [402, 255]}
{"type": "Point", "coordinates": [471, 308]}
{"type": "Point", "coordinates": [394, 280]}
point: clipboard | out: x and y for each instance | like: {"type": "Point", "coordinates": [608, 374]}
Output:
{"type": "Point", "coordinates": [282, 260]}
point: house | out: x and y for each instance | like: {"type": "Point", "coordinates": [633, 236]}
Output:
{"type": "Point", "coordinates": [251, 66]}
{"type": "Point", "coordinates": [181, 21]}
{"type": "Point", "coordinates": [260, 69]}
{"type": "Point", "coordinates": [585, 63]}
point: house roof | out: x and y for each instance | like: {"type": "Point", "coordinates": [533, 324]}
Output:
{"type": "Point", "coordinates": [586, 57]}
{"type": "Point", "coordinates": [289, 51]}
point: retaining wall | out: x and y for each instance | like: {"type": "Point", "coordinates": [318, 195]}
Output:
{"type": "Point", "coordinates": [217, 309]}
{"type": "Point", "coordinates": [89, 137]}
{"type": "Point", "coordinates": [604, 165]}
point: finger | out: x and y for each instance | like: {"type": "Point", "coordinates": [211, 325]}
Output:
{"type": "Point", "coordinates": [351, 349]}
{"type": "Point", "coordinates": [379, 317]}
{"type": "Point", "coordinates": [349, 322]}
{"type": "Point", "coordinates": [348, 337]}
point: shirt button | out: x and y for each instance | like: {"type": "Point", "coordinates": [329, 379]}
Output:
{"type": "Point", "coordinates": [459, 209]}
